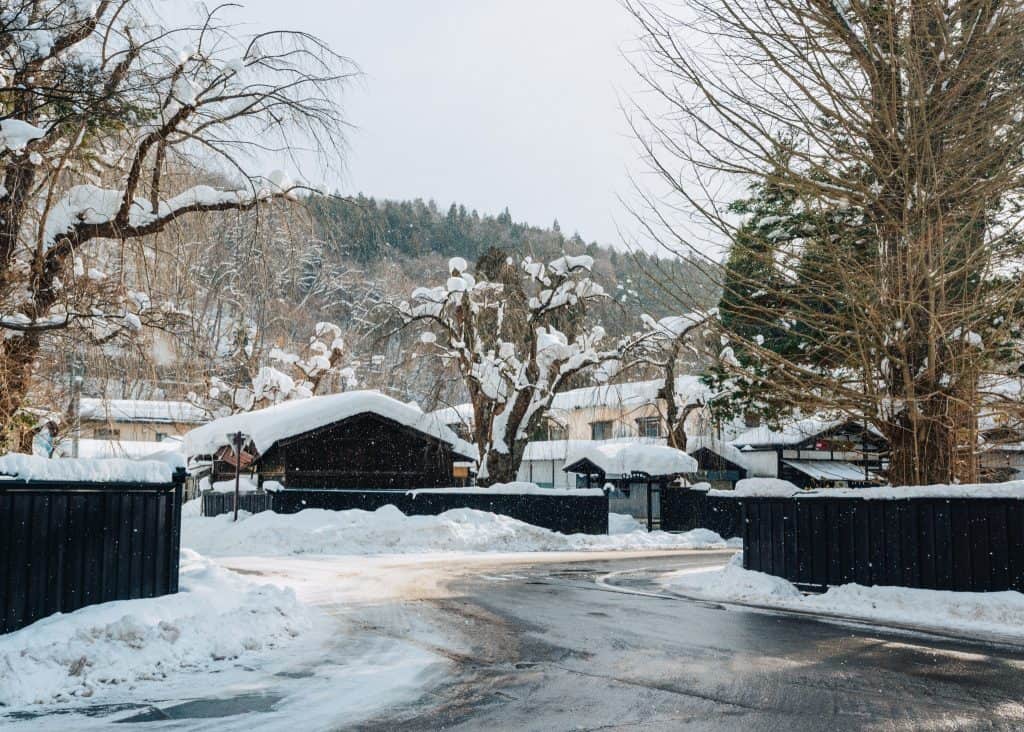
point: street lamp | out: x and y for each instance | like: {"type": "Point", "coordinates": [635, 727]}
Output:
{"type": "Point", "coordinates": [237, 440]}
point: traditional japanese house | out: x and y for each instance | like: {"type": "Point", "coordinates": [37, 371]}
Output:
{"type": "Point", "coordinates": [358, 439]}
{"type": "Point", "coordinates": [815, 453]}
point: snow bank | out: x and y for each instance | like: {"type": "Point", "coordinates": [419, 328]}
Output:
{"type": "Point", "coordinates": [267, 426]}
{"type": "Point", "coordinates": [218, 616]}
{"type": "Point", "coordinates": [33, 467]}
{"type": "Point", "coordinates": [388, 531]}
{"type": "Point", "coordinates": [623, 523]}
{"type": "Point", "coordinates": [622, 458]}
{"type": "Point", "coordinates": [1000, 613]}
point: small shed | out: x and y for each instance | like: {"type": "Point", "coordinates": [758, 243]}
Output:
{"type": "Point", "coordinates": [636, 472]}
{"type": "Point", "coordinates": [718, 462]}
{"type": "Point", "coordinates": [360, 439]}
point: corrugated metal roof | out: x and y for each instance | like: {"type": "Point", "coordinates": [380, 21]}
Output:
{"type": "Point", "coordinates": [827, 469]}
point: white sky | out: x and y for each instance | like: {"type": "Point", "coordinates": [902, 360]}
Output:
{"type": "Point", "coordinates": [484, 102]}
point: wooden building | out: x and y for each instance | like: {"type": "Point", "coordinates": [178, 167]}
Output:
{"type": "Point", "coordinates": [343, 441]}
{"type": "Point", "coordinates": [815, 453]}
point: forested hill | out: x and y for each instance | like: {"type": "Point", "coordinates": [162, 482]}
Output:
{"type": "Point", "coordinates": [371, 231]}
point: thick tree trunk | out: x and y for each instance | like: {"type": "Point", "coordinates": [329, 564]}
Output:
{"type": "Point", "coordinates": [503, 467]}
{"type": "Point", "coordinates": [17, 355]}
{"type": "Point", "coordinates": [937, 448]}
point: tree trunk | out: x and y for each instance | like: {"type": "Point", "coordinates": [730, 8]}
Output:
{"type": "Point", "coordinates": [503, 467]}
{"type": "Point", "coordinates": [17, 355]}
{"type": "Point", "coordinates": [937, 448]}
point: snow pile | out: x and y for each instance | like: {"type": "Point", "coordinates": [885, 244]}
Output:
{"type": "Point", "coordinates": [1000, 613]}
{"type": "Point", "coordinates": [733, 583]}
{"type": "Point", "coordinates": [760, 487]}
{"type": "Point", "coordinates": [623, 523]}
{"type": "Point", "coordinates": [218, 616]}
{"type": "Point", "coordinates": [616, 459]}
{"type": "Point", "coordinates": [118, 470]}
{"type": "Point", "coordinates": [388, 531]}
{"type": "Point", "coordinates": [267, 426]}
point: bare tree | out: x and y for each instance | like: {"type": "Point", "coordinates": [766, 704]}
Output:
{"type": "Point", "coordinates": [518, 334]}
{"type": "Point", "coordinates": [888, 135]}
{"type": "Point", "coordinates": [100, 106]}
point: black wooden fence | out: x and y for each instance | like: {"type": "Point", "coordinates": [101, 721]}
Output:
{"type": "Point", "coordinates": [567, 514]}
{"type": "Point", "coordinates": [65, 545]}
{"type": "Point", "coordinates": [683, 509]}
{"type": "Point", "coordinates": [969, 544]}
{"type": "Point", "coordinates": [215, 504]}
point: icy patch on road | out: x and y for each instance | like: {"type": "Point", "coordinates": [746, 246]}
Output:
{"type": "Point", "coordinates": [218, 616]}
{"type": "Point", "coordinates": [388, 531]}
{"type": "Point", "coordinates": [1000, 613]}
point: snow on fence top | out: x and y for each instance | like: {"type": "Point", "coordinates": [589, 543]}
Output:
{"type": "Point", "coordinates": [776, 488]}
{"type": "Point", "coordinates": [111, 470]}
{"type": "Point", "coordinates": [267, 426]}
{"type": "Point", "coordinates": [517, 488]}
{"type": "Point", "coordinates": [619, 459]}
{"type": "Point", "coordinates": [142, 410]}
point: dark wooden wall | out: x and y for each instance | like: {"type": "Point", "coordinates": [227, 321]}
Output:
{"type": "Point", "coordinates": [67, 545]}
{"type": "Point", "coordinates": [364, 451]}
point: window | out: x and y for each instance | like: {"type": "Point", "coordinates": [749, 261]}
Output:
{"type": "Point", "coordinates": [649, 427]}
{"type": "Point", "coordinates": [601, 430]}
{"type": "Point", "coordinates": [161, 436]}
{"type": "Point", "coordinates": [106, 433]}
{"type": "Point", "coordinates": [548, 430]}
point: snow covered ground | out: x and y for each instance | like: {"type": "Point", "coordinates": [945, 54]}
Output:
{"type": "Point", "coordinates": [962, 613]}
{"type": "Point", "coordinates": [280, 623]}
{"type": "Point", "coordinates": [388, 531]}
{"type": "Point", "coordinates": [218, 617]}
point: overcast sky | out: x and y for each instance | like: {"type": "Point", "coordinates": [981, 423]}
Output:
{"type": "Point", "coordinates": [484, 102]}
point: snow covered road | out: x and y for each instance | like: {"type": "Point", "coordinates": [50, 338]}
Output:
{"type": "Point", "coordinates": [557, 640]}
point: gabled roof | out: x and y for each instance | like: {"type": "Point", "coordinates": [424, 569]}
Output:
{"type": "Point", "coordinates": [267, 426]}
{"type": "Point", "coordinates": [141, 410]}
{"type": "Point", "coordinates": [793, 433]}
{"type": "Point", "coordinates": [620, 459]}
{"type": "Point", "coordinates": [723, 449]}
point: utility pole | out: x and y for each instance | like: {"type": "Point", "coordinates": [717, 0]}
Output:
{"type": "Point", "coordinates": [237, 441]}
{"type": "Point", "coordinates": [77, 377]}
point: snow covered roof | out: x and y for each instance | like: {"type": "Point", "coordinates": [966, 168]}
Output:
{"type": "Point", "coordinates": [298, 416]}
{"type": "Point", "coordinates": [117, 448]}
{"type": "Point", "coordinates": [633, 393]}
{"type": "Point", "coordinates": [724, 449]}
{"type": "Point", "coordinates": [617, 459]}
{"type": "Point", "coordinates": [829, 469]}
{"type": "Point", "coordinates": [626, 395]}
{"type": "Point", "coordinates": [142, 410]}
{"type": "Point", "coordinates": [790, 433]}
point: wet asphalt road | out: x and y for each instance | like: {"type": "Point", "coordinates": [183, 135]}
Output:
{"type": "Point", "coordinates": [550, 648]}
